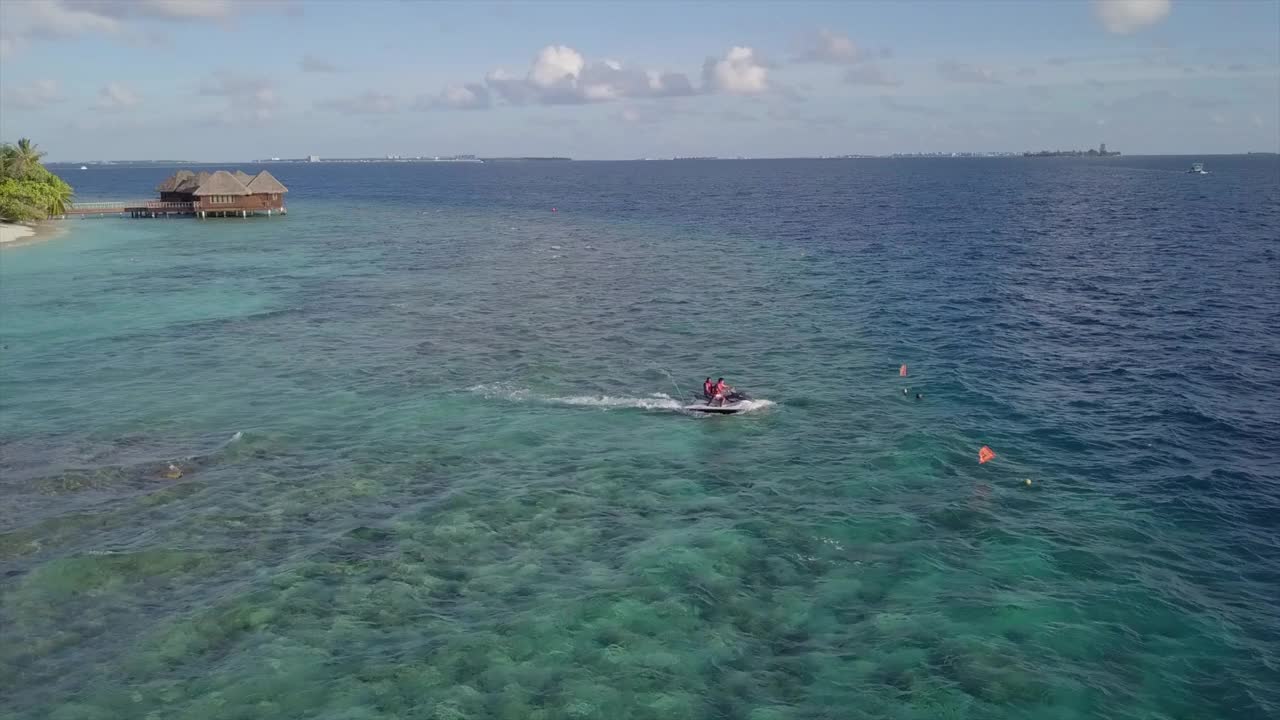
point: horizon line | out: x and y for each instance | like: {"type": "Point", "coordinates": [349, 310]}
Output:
{"type": "Point", "coordinates": [956, 154]}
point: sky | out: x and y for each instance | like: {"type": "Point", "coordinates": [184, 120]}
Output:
{"type": "Point", "coordinates": [229, 80]}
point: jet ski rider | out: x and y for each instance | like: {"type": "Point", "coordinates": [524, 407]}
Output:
{"type": "Point", "coordinates": [722, 391]}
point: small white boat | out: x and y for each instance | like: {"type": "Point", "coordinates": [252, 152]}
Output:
{"type": "Point", "coordinates": [1197, 169]}
{"type": "Point", "coordinates": [84, 167]}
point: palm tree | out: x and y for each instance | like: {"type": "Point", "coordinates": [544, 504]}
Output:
{"type": "Point", "coordinates": [6, 160]}
{"type": "Point", "coordinates": [60, 194]}
{"type": "Point", "coordinates": [27, 190]}
{"type": "Point", "coordinates": [25, 157]}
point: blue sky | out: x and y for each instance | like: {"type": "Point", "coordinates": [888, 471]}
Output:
{"type": "Point", "coordinates": [228, 80]}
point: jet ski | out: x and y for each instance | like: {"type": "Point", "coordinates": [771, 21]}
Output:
{"type": "Point", "coordinates": [734, 402]}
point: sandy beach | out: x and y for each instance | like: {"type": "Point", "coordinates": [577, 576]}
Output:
{"type": "Point", "coordinates": [13, 232]}
{"type": "Point", "coordinates": [19, 234]}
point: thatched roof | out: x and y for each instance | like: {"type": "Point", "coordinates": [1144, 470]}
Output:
{"type": "Point", "coordinates": [191, 182]}
{"type": "Point", "coordinates": [264, 182]}
{"type": "Point", "coordinates": [221, 183]}
{"type": "Point", "coordinates": [171, 184]}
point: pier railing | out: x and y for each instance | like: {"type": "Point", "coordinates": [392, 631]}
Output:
{"type": "Point", "coordinates": [164, 209]}
{"type": "Point", "coordinates": [122, 206]}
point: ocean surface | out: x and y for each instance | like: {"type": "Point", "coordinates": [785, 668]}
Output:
{"type": "Point", "coordinates": [433, 463]}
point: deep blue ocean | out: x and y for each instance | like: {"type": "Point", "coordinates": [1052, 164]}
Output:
{"type": "Point", "coordinates": [433, 463]}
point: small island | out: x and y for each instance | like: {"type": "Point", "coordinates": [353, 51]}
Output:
{"type": "Point", "coordinates": [1100, 151]}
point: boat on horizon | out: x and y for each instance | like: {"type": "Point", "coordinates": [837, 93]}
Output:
{"type": "Point", "coordinates": [84, 167]}
{"type": "Point", "coordinates": [1197, 169]}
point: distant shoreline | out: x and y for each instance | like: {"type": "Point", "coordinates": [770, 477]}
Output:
{"type": "Point", "coordinates": [899, 156]}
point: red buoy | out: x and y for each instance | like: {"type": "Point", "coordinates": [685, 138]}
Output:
{"type": "Point", "coordinates": [985, 454]}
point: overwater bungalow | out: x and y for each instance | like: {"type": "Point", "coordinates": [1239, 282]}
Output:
{"type": "Point", "coordinates": [221, 194]}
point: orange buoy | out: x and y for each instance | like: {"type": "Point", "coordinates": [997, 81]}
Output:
{"type": "Point", "coordinates": [985, 454]}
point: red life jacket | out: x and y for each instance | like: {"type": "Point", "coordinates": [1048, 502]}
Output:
{"type": "Point", "coordinates": [721, 388]}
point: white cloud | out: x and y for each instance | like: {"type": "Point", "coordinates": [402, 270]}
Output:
{"type": "Point", "coordinates": [115, 96]}
{"type": "Point", "coordinates": [965, 73]}
{"type": "Point", "coordinates": [870, 75]}
{"type": "Point", "coordinates": [556, 66]}
{"type": "Point", "coordinates": [182, 9]}
{"type": "Point", "coordinates": [471, 96]}
{"type": "Point", "coordinates": [37, 95]}
{"type": "Point", "coordinates": [1123, 17]}
{"type": "Point", "coordinates": [560, 75]}
{"type": "Point", "coordinates": [512, 89]}
{"type": "Point", "coordinates": [316, 64]}
{"type": "Point", "coordinates": [366, 103]}
{"type": "Point", "coordinates": [66, 19]}
{"type": "Point", "coordinates": [669, 84]}
{"type": "Point", "coordinates": [158, 9]}
{"type": "Point", "coordinates": [825, 46]}
{"type": "Point", "coordinates": [54, 20]}
{"type": "Point", "coordinates": [739, 72]}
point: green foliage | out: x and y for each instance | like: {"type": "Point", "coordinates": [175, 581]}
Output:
{"type": "Point", "coordinates": [34, 199]}
{"type": "Point", "coordinates": [28, 191]}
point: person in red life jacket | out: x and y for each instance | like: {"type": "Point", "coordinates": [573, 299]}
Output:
{"type": "Point", "coordinates": [708, 389]}
{"type": "Point", "coordinates": [722, 391]}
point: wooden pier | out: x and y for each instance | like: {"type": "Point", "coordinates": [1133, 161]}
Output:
{"type": "Point", "coordinates": [160, 209]}
{"type": "Point", "coordinates": [202, 195]}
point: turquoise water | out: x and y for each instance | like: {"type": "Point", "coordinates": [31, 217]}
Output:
{"type": "Point", "coordinates": [433, 465]}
